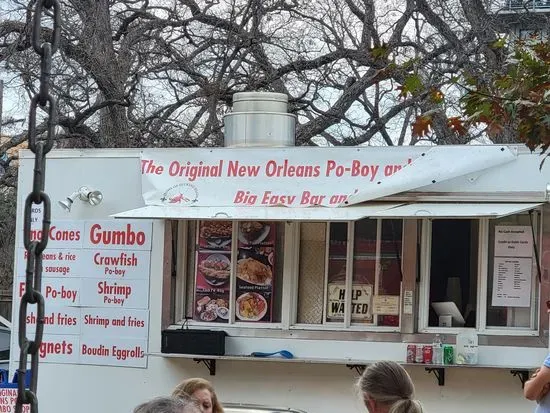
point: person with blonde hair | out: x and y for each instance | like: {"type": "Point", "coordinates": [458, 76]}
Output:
{"type": "Point", "coordinates": [202, 391]}
{"type": "Point", "coordinates": [387, 388]}
{"type": "Point", "coordinates": [168, 405]}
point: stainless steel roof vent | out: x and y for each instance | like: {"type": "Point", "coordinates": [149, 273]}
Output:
{"type": "Point", "coordinates": [259, 119]}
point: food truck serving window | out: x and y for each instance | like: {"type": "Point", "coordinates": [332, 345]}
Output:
{"type": "Point", "coordinates": [480, 273]}
{"type": "Point", "coordinates": [475, 272]}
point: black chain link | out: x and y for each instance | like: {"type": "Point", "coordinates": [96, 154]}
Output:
{"type": "Point", "coordinates": [33, 272]}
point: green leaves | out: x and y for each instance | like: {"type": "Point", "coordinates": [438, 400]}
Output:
{"type": "Point", "coordinates": [411, 86]}
{"type": "Point", "coordinates": [517, 98]}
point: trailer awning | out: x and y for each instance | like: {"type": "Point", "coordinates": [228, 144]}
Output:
{"type": "Point", "coordinates": [455, 210]}
{"type": "Point", "coordinates": [349, 213]}
{"type": "Point", "coordinates": [437, 164]}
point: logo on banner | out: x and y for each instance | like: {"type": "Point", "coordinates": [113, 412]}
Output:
{"type": "Point", "coordinates": [181, 194]}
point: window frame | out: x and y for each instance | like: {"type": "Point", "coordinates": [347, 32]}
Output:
{"type": "Point", "coordinates": [347, 324]}
{"type": "Point", "coordinates": [535, 315]}
{"type": "Point", "coordinates": [482, 285]}
{"type": "Point", "coordinates": [290, 276]}
{"type": "Point", "coordinates": [182, 276]}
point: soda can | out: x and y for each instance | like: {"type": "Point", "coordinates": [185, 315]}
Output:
{"type": "Point", "coordinates": [448, 354]}
{"type": "Point", "coordinates": [411, 353]}
{"type": "Point", "coordinates": [419, 356]}
{"type": "Point", "coordinates": [427, 354]}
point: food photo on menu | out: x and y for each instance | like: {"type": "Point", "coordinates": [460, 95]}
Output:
{"type": "Point", "coordinates": [213, 269]}
{"type": "Point", "coordinates": [212, 307]}
{"type": "Point", "coordinates": [215, 235]}
{"type": "Point", "coordinates": [255, 269]}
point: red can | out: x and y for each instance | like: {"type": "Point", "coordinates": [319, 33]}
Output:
{"type": "Point", "coordinates": [411, 353]}
{"type": "Point", "coordinates": [427, 354]}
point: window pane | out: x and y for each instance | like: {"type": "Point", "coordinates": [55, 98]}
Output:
{"type": "Point", "coordinates": [258, 273]}
{"type": "Point", "coordinates": [520, 283]}
{"type": "Point", "coordinates": [453, 273]}
{"type": "Point", "coordinates": [311, 276]}
{"type": "Point", "coordinates": [364, 270]}
{"type": "Point", "coordinates": [336, 272]}
{"type": "Point", "coordinates": [390, 268]}
{"type": "Point", "coordinates": [257, 262]}
{"type": "Point", "coordinates": [212, 271]}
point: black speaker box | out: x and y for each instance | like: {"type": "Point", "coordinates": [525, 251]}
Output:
{"type": "Point", "coordinates": [189, 341]}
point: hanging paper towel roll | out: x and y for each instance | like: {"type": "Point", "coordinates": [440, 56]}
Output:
{"type": "Point", "coordinates": [454, 291]}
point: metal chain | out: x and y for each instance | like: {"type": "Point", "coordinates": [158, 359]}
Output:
{"type": "Point", "coordinates": [36, 245]}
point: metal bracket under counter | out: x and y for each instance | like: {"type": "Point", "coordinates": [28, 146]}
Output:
{"type": "Point", "coordinates": [439, 373]}
{"type": "Point", "coordinates": [522, 374]}
{"type": "Point", "coordinates": [209, 363]}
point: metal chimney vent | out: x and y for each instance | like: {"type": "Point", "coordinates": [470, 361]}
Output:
{"type": "Point", "coordinates": [259, 119]}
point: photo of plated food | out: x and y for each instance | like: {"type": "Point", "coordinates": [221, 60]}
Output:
{"type": "Point", "coordinates": [254, 272]}
{"type": "Point", "coordinates": [253, 232]}
{"type": "Point", "coordinates": [251, 307]}
{"type": "Point", "coordinates": [215, 234]}
{"type": "Point", "coordinates": [212, 309]}
{"type": "Point", "coordinates": [215, 269]}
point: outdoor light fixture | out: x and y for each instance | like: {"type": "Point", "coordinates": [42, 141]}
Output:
{"type": "Point", "coordinates": [85, 194]}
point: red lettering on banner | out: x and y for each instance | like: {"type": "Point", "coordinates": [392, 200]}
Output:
{"type": "Point", "coordinates": [235, 169]}
{"type": "Point", "coordinates": [63, 293]}
{"type": "Point", "coordinates": [103, 287]}
{"type": "Point", "coordinates": [123, 354]}
{"type": "Point", "coordinates": [127, 237]}
{"type": "Point", "coordinates": [309, 199]}
{"type": "Point", "coordinates": [123, 259]}
{"type": "Point", "coordinates": [148, 167]}
{"type": "Point", "coordinates": [286, 170]}
{"type": "Point", "coordinates": [55, 348]}
{"type": "Point", "coordinates": [245, 198]}
{"type": "Point", "coordinates": [56, 235]}
{"type": "Point", "coordinates": [271, 199]}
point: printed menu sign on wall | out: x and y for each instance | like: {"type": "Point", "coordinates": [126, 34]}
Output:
{"type": "Point", "coordinates": [213, 269]}
{"type": "Point", "coordinates": [513, 263]}
{"type": "Point", "coordinates": [254, 266]}
{"type": "Point", "coordinates": [96, 287]}
{"type": "Point", "coordinates": [255, 269]}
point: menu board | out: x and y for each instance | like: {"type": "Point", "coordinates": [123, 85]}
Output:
{"type": "Point", "coordinates": [255, 271]}
{"type": "Point", "coordinates": [213, 270]}
{"type": "Point", "coordinates": [96, 287]}
{"type": "Point", "coordinates": [513, 266]}
{"type": "Point", "coordinates": [255, 268]}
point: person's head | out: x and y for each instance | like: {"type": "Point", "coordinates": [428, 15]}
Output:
{"type": "Point", "coordinates": [168, 405]}
{"type": "Point", "coordinates": [202, 391]}
{"type": "Point", "coordinates": [387, 388]}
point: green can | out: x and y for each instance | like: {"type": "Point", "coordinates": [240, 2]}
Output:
{"type": "Point", "coordinates": [448, 354]}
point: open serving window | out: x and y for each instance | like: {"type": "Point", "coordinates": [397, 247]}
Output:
{"type": "Point", "coordinates": [474, 267]}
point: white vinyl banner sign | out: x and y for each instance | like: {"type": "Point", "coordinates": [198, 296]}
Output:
{"type": "Point", "coordinates": [56, 262]}
{"type": "Point", "coordinates": [303, 177]}
{"type": "Point", "coordinates": [107, 351]}
{"type": "Point", "coordinates": [108, 322]}
{"type": "Point", "coordinates": [96, 286]}
{"type": "Point", "coordinates": [121, 294]}
{"type": "Point", "coordinates": [297, 177]}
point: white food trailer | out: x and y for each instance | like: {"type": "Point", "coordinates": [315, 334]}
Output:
{"type": "Point", "coordinates": [340, 256]}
